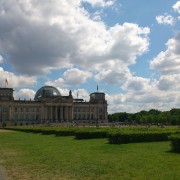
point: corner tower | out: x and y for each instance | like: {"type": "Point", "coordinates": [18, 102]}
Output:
{"type": "Point", "coordinates": [6, 94]}
{"type": "Point", "coordinates": [97, 97]}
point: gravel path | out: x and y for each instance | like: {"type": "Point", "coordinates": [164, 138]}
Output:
{"type": "Point", "coordinates": [2, 174]}
{"type": "Point", "coordinates": [4, 131]}
{"type": "Point", "coordinates": [2, 170]}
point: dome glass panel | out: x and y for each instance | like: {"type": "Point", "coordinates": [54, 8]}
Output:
{"type": "Point", "coordinates": [48, 91]}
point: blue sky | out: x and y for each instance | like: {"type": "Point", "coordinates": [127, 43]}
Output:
{"type": "Point", "coordinates": [130, 49]}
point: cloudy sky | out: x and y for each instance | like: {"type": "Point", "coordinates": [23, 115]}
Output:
{"type": "Point", "coordinates": [130, 49]}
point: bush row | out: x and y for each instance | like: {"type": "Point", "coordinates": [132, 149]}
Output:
{"type": "Point", "coordinates": [78, 132]}
{"type": "Point", "coordinates": [175, 142]}
{"type": "Point", "coordinates": [58, 131]}
{"type": "Point", "coordinates": [139, 136]}
{"type": "Point", "coordinates": [115, 135]}
{"type": "Point", "coordinates": [91, 134]}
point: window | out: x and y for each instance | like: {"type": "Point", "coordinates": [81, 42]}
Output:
{"type": "Point", "coordinates": [4, 109]}
{"type": "Point", "coordinates": [100, 110]}
{"type": "Point", "coordinates": [37, 117]}
{"type": "Point", "coordinates": [87, 116]}
{"type": "Point", "coordinates": [4, 117]}
{"type": "Point", "coordinates": [21, 117]}
{"type": "Point", "coordinates": [92, 117]}
{"type": "Point", "coordinates": [75, 116]}
{"type": "Point", "coordinates": [79, 116]}
{"type": "Point", "coordinates": [27, 117]}
{"type": "Point", "coordinates": [16, 117]}
{"type": "Point", "coordinates": [32, 116]}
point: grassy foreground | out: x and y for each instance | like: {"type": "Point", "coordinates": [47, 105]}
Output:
{"type": "Point", "coordinates": [39, 157]}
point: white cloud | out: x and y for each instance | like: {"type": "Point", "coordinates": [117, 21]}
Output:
{"type": "Point", "coordinates": [76, 93]}
{"type": "Point", "coordinates": [81, 94]}
{"type": "Point", "coordinates": [72, 77]}
{"type": "Point", "coordinates": [136, 100]}
{"type": "Point", "coordinates": [26, 94]}
{"type": "Point", "coordinates": [1, 59]}
{"type": "Point", "coordinates": [76, 77]}
{"type": "Point", "coordinates": [176, 7]}
{"type": "Point", "coordinates": [63, 91]}
{"type": "Point", "coordinates": [137, 85]}
{"type": "Point", "coordinates": [168, 62]}
{"type": "Point", "coordinates": [169, 82]}
{"type": "Point", "coordinates": [161, 93]}
{"type": "Point", "coordinates": [96, 16]}
{"type": "Point", "coordinates": [113, 72]}
{"type": "Point", "coordinates": [14, 80]}
{"type": "Point", "coordinates": [46, 36]}
{"type": "Point", "coordinates": [165, 19]}
{"type": "Point", "coordinates": [103, 3]}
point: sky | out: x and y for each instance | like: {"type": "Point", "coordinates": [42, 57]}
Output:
{"type": "Point", "coordinates": [129, 49]}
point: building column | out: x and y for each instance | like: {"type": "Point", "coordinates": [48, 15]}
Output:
{"type": "Point", "coordinates": [97, 119]}
{"type": "Point", "coordinates": [51, 113]}
{"type": "Point", "coordinates": [70, 113]}
{"type": "Point", "coordinates": [56, 113]}
{"type": "Point", "coordinates": [67, 110]}
{"type": "Point", "coordinates": [61, 113]}
{"type": "Point", "coordinates": [45, 113]}
{"type": "Point", "coordinates": [10, 113]}
{"type": "Point", "coordinates": [65, 113]}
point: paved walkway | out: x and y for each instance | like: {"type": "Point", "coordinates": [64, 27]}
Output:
{"type": "Point", "coordinates": [2, 173]}
{"type": "Point", "coordinates": [5, 130]}
{"type": "Point", "coordinates": [2, 170]}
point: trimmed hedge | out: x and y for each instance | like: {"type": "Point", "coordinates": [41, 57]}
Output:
{"type": "Point", "coordinates": [65, 132]}
{"type": "Point", "coordinates": [175, 142]}
{"type": "Point", "coordinates": [139, 136]}
{"type": "Point", "coordinates": [91, 134]}
{"type": "Point", "coordinates": [58, 131]}
{"type": "Point", "coordinates": [115, 135]}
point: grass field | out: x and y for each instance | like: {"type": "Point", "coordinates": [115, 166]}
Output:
{"type": "Point", "coordinates": [46, 157]}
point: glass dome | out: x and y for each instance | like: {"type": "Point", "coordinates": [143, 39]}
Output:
{"type": "Point", "coordinates": [48, 91]}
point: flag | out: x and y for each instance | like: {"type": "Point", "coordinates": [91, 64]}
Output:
{"type": "Point", "coordinates": [6, 82]}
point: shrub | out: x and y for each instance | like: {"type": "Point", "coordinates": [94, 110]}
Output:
{"type": "Point", "coordinates": [65, 132]}
{"type": "Point", "coordinates": [58, 131]}
{"type": "Point", "coordinates": [175, 142]}
{"type": "Point", "coordinates": [91, 133]}
{"type": "Point", "coordinates": [138, 136]}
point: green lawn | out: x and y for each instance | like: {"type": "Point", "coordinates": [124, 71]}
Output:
{"type": "Point", "coordinates": [41, 157]}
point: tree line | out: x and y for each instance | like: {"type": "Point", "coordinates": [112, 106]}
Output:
{"type": "Point", "coordinates": [152, 116]}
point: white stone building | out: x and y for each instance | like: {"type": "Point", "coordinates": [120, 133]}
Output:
{"type": "Point", "coordinates": [49, 106]}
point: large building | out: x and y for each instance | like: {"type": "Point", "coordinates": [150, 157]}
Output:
{"type": "Point", "coordinates": [49, 106]}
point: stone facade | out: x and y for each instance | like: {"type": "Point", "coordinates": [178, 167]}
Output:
{"type": "Point", "coordinates": [50, 107]}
